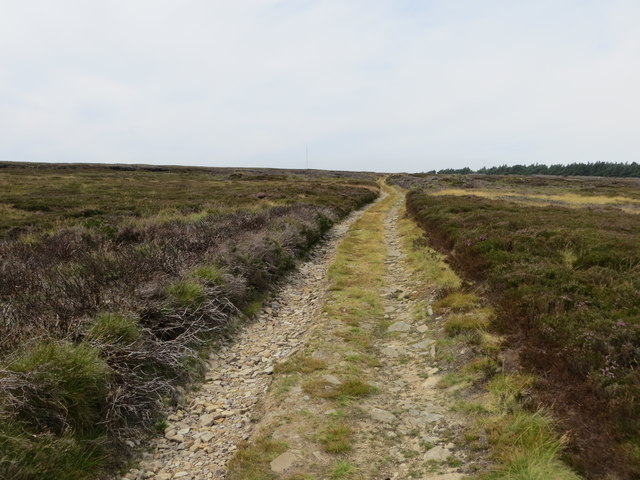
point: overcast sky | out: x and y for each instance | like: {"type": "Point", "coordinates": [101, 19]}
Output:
{"type": "Point", "coordinates": [385, 85]}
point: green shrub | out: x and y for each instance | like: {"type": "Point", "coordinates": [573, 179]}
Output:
{"type": "Point", "coordinates": [324, 222]}
{"type": "Point", "coordinates": [113, 327]}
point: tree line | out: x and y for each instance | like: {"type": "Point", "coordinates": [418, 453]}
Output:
{"type": "Point", "coordinates": [596, 169]}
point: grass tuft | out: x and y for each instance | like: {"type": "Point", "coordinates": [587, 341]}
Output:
{"type": "Point", "coordinates": [301, 364]}
{"type": "Point", "coordinates": [342, 470]}
{"type": "Point", "coordinates": [70, 382]}
{"type": "Point", "coordinates": [425, 261]}
{"type": "Point", "coordinates": [355, 388]}
{"type": "Point", "coordinates": [28, 456]}
{"type": "Point", "coordinates": [52, 429]}
{"type": "Point", "coordinates": [251, 462]}
{"type": "Point", "coordinates": [113, 327]}
{"type": "Point", "coordinates": [186, 293]}
{"type": "Point", "coordinates": [209, 274]}
{"type": "Point", "coordinates": [527, 447]}
{"type": "Point", "coordinates": [456, 302]}
{"type": "Point", "coordinates": [457, 324]}
{"type": "Point", "coordinates": [337, 438]}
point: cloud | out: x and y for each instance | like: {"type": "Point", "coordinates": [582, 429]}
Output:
{"type": "Point", "coordinates": [390, 85]}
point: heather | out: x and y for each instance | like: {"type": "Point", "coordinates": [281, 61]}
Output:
{"type": "Point", "coordinates": [114, 281]}
{"type": "Point", "coordinates": [563, 278]}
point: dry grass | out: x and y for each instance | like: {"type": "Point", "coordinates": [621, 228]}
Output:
{"type": "Point", "coordinates": [251, 462]}
{"type": "Point", "coordinates": [301, 364]}
{"type": "Point", "coordinates": [457, 301]}
{"type": "Point", "coordinates": [567, 199]}
{"type": "Point", "coordinates": [460, 323]}
{"type": "Point", "coordinates": [423, 260]}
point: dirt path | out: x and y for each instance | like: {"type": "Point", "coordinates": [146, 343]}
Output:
{"type": "Point", "coordinates": [337, 380]}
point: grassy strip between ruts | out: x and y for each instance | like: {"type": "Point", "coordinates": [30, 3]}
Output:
{"type": "Point", "coordinates": [523, 444]}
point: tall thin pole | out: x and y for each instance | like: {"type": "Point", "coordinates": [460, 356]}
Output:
{"type": "Point", "coordinates": [307, 156]}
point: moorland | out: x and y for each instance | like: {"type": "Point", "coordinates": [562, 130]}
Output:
{"type": "Point", "coordinates": [116, 280]}
{"type": "Point", "coordinates": [558, 259]}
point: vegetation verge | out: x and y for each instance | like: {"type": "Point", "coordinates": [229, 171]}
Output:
{"type": "Point", "coordinates": [564, 285]}
{"type": "Point", "coordinates": [104, 321]}
{"type": "Point", "coordinates": [521, 443]}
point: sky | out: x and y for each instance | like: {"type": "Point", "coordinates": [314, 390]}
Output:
{"type": "Point", "coordinates": [377, 85]}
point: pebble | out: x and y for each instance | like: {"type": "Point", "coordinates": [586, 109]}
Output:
{"type": "Point", "coordinates": [438, 454]}
{"type": "Point", "coordinates": [283, 462]}
{"type": "Point", "coordinates": [381, 415]}
{"type": "Point", "coordinates": [424, 345]}
{"type": "Point", "coordinates": [332, 379]}
{"type": "Point", "coordinates": [399, 327]}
